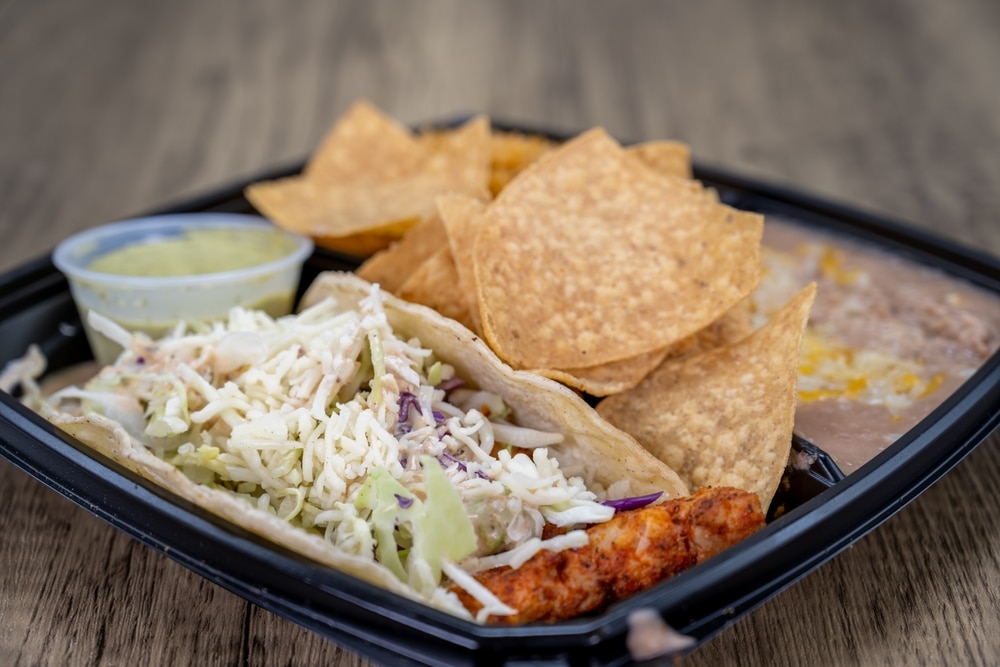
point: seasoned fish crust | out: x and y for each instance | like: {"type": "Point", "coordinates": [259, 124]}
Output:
{"type": "Point", "coordinates": [631, 552]}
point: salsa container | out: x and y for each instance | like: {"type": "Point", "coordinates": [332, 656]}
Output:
{"type": "Point", "coordinates": [824, 513]}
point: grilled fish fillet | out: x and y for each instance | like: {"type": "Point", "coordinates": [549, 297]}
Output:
{"type": "Point", "coordinates": [633, 551]}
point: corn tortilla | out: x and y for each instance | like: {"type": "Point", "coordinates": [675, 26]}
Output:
{"type": "Point", "coordinates": [723, 417]}
{"type": "Point", "coordinates": [392, 266]}
{"type": "Point", "coordinates": [588, 257]}
{"type": "Point", "coordinates": [435, 284]}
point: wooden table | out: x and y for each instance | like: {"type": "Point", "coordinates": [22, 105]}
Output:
{"type": "Point", "coordinates": [111, 108]}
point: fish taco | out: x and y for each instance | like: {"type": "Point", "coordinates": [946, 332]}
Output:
{"type": "Point", "coordinates": [374, 436]}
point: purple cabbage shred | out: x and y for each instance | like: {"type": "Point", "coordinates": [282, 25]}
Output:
{"type": "Point", "coordinates": [447, 459]}
{"type": "Point", "coordinates": [633, 503]}
{"type": "Point", "coordinates": [403, 501]}
{"type": "Point", "coordinates": [450, 384]}
{"type": "Point", "coordinates": [406, 401]}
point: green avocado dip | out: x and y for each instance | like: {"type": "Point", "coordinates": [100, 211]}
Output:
{"type": "Point", "coordinates": [196, 252]}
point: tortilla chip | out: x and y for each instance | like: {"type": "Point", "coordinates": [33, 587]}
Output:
{"type": "Point", "coordinates": [435, 284]}
{"type": "Point", "coordinates": [391, 267]}
{"type": "Point", "coordinates": [307, 207]}
{"type": "Point", "coordinates": [372, 179]}
{"type": "Point", "coordinates": [365, 146]}
{"type": "Point", "coordinates": [723, 417]}
{"type": "Point", "coordinates": [599, 452]}
{"type": "Point", "coordinates": [511, 153]}
{"type": "Point", "coordinates": [610, 378]}
{"type": "Point", "coordinates": [356, 245]}
{"type": "Point", "coordinates": [465, 152]}
{"type": "Point", "coordinates": [671, 158]}
{"type": "Point", "coordinates": [590, 257]}
{"type": "Point", "coordinates": [619, 376]}
{"type": "Point", "coordinates": [461, 216]}
{"type": "Point", "coordinates": [364, 244]}
{"type": "Point", "coordinates": [731, 328]}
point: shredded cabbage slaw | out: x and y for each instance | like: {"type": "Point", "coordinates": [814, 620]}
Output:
{"type": "Point", "coordinates": [340, 425]}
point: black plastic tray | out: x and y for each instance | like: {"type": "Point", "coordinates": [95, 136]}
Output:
{"type": "Point", "coordinates": [824, 511]}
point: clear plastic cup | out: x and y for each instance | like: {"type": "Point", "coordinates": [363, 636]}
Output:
{"type": "Point", "coordinates": [155, 304]}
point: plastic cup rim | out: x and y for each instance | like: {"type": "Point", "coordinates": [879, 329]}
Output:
{"type": "Point", "coordinates": [72, 269]}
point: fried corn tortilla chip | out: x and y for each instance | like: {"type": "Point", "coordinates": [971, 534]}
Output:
{"type": "Point", "coordinates": [435, 284]}
{"type": "Point", "coordinates": [590, 257]}
{"type": "Point", "coordinates": [735, 325]}
{"type": "Point", "coordinates": [461, 216]}
{"type": "Point", "coordinates": [609, 378]}
{"type": "Point", "coordinates": [365, 146]}
{"type": "Point", "coordinates": [671, 158]}
{"type": "Point", "coordinates": [372, 179]}
{"type": "Point", "coordinates": [362, 244]}
{"type": "Point", "coordinates": [391, 267]}
{"type": "Point", "coordinates": [464, 152]}
{"type": "Point", "coordinates": [618, 376]}
{"type": "Point", "coordinates": [723, 417]}
{"type": "Point", "coordinates": [321, 210]}
{"type": "Point", "coordinates": [511, 153]}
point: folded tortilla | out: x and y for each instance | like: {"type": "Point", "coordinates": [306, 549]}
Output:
{"type": "Point", "coordinates": [605, 454]}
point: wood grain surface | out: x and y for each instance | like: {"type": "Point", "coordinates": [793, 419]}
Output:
{"type": "Point", "coordinates": [113, 107]}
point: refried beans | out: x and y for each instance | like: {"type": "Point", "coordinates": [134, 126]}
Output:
{"type": "Point", "coordinates": [888, 340]}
